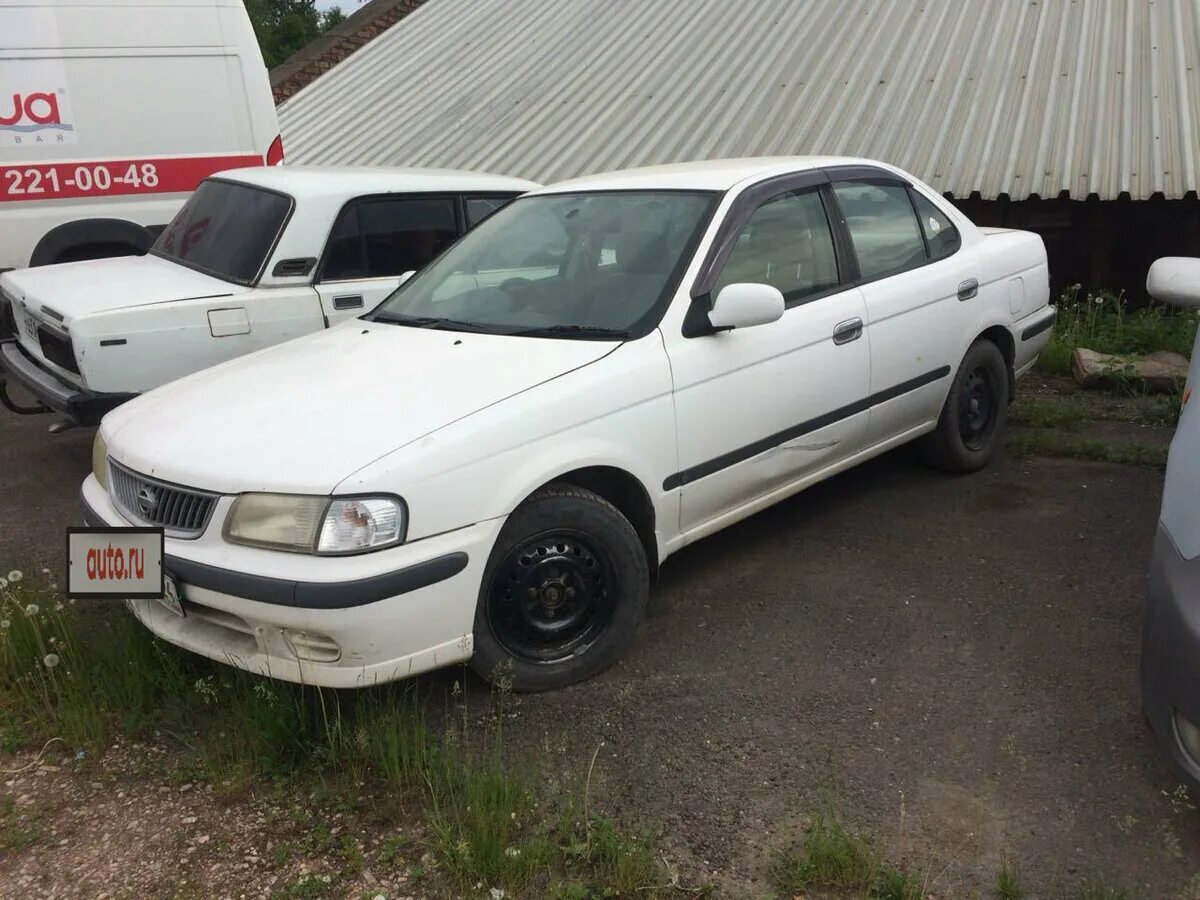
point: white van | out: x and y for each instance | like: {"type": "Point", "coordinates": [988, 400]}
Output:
{"type": "Point", "coordinates": [112, 113]}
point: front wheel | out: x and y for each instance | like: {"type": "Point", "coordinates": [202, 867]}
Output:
{"type": "Point", "coordinates": [563, 592]}
{"type": "Point", "coordinates": [971, 425]}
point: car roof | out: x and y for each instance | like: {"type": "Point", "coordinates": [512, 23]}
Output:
{"type": "Point", "coordinates": [704, 175]}
{"type": "Point", "coordinates": [353, 181]}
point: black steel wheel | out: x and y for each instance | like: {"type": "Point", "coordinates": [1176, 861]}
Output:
{"type": "Point", "coordinates": [551, 596]}
{"type": "Point", "coordinates": [977, 408]}
{"type": "Point", "coordinates": [563, 592]}
{"type": "Point", "coordinates": [972, 420]}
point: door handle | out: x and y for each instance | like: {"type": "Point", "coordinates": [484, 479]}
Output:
{"type": "Point", "coordinates": [968, 289]}
{"type": "Point", "coordinates": [354, 302]}
{"type": "Point", "coordinates": [850, 330]}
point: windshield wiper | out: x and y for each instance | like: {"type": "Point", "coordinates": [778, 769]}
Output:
{"type": "Point", "coordinates": [585, 330]}
{"type": "Point", "coordinates": [436, 322]}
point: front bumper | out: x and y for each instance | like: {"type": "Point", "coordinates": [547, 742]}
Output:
{"type": "Point", "coordinates": [338, 622]}
{"type": "Point", "coordinates": [85, 407]}
{"type": "Point", "coordinates": [1170, 667]}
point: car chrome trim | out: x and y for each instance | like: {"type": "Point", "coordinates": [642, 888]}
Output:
{"type": "Point", "coordinates": [733, 457]}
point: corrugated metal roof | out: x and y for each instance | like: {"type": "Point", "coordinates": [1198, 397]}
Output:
{"type": "Point", "coordinates": [996, 96]}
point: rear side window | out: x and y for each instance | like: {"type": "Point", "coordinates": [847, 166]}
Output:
{"type": "Point", "coordinates": [225, 229]}
{"type": "Point", "coordinates": [940, 233]}
{"type": "Point", "coordinates": [384, 238]}
{"type": "Point", "coordinates": [787, 244]}
{"type": "Point", "coordinates": [887, 238]}
{"type": "Point", "coordinates": [479, 208]}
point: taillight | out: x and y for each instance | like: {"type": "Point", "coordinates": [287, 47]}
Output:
{"type": "Point", "coordinates": [275, 153]}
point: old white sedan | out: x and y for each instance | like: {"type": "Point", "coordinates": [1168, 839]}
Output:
{"type": "Point", "coordinates": [255, 257]}
{"type": "Point", "coordinates": [494, 463]}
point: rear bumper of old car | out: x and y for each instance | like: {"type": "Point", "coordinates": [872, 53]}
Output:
{"type": "Point", "coordinates": [1170, 666]}
{"type": "Point", "coordinates": [85, 407]}
{"type": "Point", "coordinates": [334, 621]}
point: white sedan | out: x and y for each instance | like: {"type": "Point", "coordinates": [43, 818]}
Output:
{"type": "Point", "coordinates": [255, 257]}
{"type": "Point", "coordinates": [494, 463]}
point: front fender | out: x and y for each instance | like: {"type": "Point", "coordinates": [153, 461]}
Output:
{"type": "Point", "coordinates": [617, 412]}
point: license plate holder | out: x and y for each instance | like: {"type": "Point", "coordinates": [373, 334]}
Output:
{"type": "Point", "coordinates": [172, 599]}
{"type": "Point", "coordinates": [30, 325]}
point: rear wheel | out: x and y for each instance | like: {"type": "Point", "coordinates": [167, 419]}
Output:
{"type": "Point", "coordinates": [564, 590]}
{"type": "Point", "coordinates": [972, 421]}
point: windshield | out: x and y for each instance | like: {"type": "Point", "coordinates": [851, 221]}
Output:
{"type": "Point", "coordinates": [594, 264]}
{"type": "Point", "coordinates": [225, 229]}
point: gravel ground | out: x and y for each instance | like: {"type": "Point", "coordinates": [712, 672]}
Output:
{"type": "Point", "coordinates": [950, 663]}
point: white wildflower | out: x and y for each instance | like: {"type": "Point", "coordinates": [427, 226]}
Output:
{"type": "Point", "coordinates": [4, 623]}
{"type": "Point", "coordinates": [58, 607]}
{"type": "Point", "coordinates": [32, 609]}
{"type": "Point", "coordinates": [50, 660]}
{"type": "Point", "coordinates": [512, 852]}
{"type": "Point", "coordinates": [14, 576]}
{"type": "Point", "coordinates": [327, 878]}
{"type": "Point", "coordinates": [3, 583]}
{"type": "Point", "coordinates": [496, 893]}
{"type": "Point", "coordinates": [45, 571]}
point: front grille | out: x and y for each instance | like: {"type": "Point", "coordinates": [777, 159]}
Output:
{"type": "Point", "coordinates": [181, 512]}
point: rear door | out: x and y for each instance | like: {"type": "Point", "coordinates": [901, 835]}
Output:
{"type": "Point", "coordinates": [374, 241]}
{"type": "Point", "coordinates": [920, 291]}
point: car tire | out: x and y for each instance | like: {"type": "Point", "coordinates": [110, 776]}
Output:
{"type": "Point", "coordinates": [971, 425]}
{"type": "Point", "coordinates": [564, 590]}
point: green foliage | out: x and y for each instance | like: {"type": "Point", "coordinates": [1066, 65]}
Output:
{"type": "Point", "coordinates": [1008, 883]}
{"type": "Point", "coordinates": [1050, 442]}
{"type": "Point", "coordinates": [87, 677]}
{"type": "Point", "coordinates": [1104, 323]}
{"type": "Point", "coordinates": [831, 857]}
{"type": "Point", "coordinates": [284, 26]}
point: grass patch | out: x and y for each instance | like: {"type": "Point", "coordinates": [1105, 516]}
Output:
{"type": "Point", "coordinates": [1070, 411]}
{"type": "Point", "coordinates": [1066, 444]}
{"type": "Point", "coordinates": [1008, 883]}
{"type": "Point", "coordinates": [15, 834]}
{"type": "Point", "coordinates": [834, 858]}
{"type": "Point", "coordinates": [87, 678]}
{"type": "Point", "coordinates": [1103, 322]}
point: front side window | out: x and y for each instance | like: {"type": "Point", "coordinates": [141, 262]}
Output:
{"type": "Point", "coordinates": [388, 237]}
{"type": "Point", "coordinates": [887, 238]}
{"type": "Point", "coordinates": [595, 264]}
{"type": "Point", "coordinates": [940, 234]}
{"type": "Point", "coordinates": [787, 244]}
{"type": "Point", "coordinates": [226, 229]}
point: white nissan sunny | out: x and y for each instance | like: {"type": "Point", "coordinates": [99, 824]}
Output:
{"type": "Point", "coordinates": [493, 463]}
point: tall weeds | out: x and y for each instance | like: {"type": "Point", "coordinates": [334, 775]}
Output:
{"type": "Point", "coordinates": [88, 675]}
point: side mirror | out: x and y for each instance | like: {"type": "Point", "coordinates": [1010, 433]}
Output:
{"type": "Point", "coordinates": [745, 304]}
{"type": "Point", "coordinates": [1175, 280]}
{"type": "Point", "coordinates": [405, 276]}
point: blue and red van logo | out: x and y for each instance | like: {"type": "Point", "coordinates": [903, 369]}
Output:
{"type": "Point", "coordinates": [33, 112]}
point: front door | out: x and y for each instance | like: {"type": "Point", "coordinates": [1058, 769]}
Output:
{"type": "Point", "coordinates": [374, 241]}
{"type": "Point", "coordinates": [760, 408]}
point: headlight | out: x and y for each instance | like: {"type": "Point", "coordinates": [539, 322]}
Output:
{"type": "Point", "coordinates": [99, 457]}
{"type": "Point", "coordinates": [322, 525]}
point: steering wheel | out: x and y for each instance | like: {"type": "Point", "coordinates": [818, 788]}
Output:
{"type": "Point", "coordinates": [524, 292]}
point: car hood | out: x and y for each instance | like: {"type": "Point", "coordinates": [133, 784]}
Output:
{"type": "Point", "coordinates": [96, 285]}
{"type": "Point", "coordinates": [304, 415]}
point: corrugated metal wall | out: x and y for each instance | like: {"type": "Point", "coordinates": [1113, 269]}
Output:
{"type": "Point", "coordinates": [1000, 97]}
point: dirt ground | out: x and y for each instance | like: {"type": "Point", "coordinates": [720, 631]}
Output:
{"type": "Point", "coordinates": [949, 663]}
